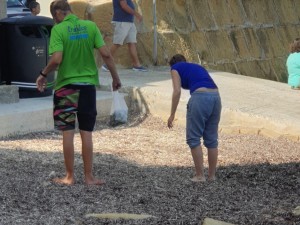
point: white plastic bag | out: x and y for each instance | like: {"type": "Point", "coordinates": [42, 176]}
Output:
{"type": "Point", "coordinates": [119, 110]}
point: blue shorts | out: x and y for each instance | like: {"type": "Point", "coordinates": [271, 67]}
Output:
{"type": "Point", "coordinates": [73, 101]}
{"type": "Point", "coordinates": [202, 119]}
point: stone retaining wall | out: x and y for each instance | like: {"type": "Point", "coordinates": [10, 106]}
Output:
{"type": "Point", "coordinates": [248, 37]}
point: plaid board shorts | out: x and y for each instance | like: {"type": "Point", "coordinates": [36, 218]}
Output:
{"type": "Point", "coordinates": [73, 101]}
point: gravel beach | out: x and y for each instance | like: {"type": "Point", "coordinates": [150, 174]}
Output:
{"type": "Point", "coordinates": [147, 169]}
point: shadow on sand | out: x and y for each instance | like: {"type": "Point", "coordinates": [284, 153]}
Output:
{"type": "Point", "coordinates": [249, 194]}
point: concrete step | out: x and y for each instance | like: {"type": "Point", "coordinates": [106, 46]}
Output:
{"type": "Point", "coordinates": [250, 105]}
{"type": "Point", "coordinates": [9, 94]}
{"type": "Point", "coordinates": [35, 114]}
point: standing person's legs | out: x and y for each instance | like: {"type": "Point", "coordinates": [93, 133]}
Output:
{"type": "Point", "coordinates": [120, 33]}
{"type": "Point", "coordinates": [131, 43]}
{"type": "Point", "coordinates": [121, 30]}
{"type": "Point", "coordinates": [113, 49]}
{"type": "Point", "coordinates": [133, 54]}
{"type": "Point", "coordinates": [86, 118]}
{"type": "Point", "coordinates": [197, 155]}
{"type": "Point", "coordinates": [210, 135]}
{"type": "Point", "coordinates": [87, 156]}
{"type": "Point", "coordinates": [195, 121]}
{"type": "Point", "coordinates": [64, 114]}
{"type": "Point", "coordinates": [125, 32]}
{"type": "Point", "coordinates": [212, 154]}
{"type": "Point", "coordinates": [68, 150]}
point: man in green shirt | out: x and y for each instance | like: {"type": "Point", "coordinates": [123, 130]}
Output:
{"type": "Point", "coordinates": [72, 45]}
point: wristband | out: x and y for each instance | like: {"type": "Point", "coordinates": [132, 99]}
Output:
{"type": "Point", "coordinates": [42, 74]}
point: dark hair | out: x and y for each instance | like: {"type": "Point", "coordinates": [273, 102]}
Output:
{"type": "Point", "coordinates": [27, 3]}
{"type": "Point", "coordinates": [62, 5]}
{"type": "Point", "coordinates": [177, 58]}
{"type": "Point", "coordinates": [295, 46]}
{"type": "Point", "coordinates": [33, 5]}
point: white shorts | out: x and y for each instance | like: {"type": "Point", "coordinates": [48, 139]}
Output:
{"type": "Point", "coordinates": [124, 32]}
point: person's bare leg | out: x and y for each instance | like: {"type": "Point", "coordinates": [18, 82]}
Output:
{"type": "Point", "coordinates": [198, 161]}
{"type": "Point", "coordinates": [68, 150]}
{"type": "Point", "coordinates": [113, 49]}
{"type": "Point", "coordinates": [87, 156]}
{"type": "Point", "coordinates": [133, 54]}
{"type": "Point", "coordinates": [212, 154]}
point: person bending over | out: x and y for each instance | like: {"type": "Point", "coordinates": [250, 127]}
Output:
{"type": "Point", "coordinates": [203, 112]}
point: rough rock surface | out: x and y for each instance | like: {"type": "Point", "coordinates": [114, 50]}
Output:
{"type": "Point", "coordinates": [243, 37]}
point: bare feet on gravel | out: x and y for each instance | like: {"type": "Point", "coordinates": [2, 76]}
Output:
{"type": "Point", "coordinates": [211, 179]}
{"type": "Point", "coordinates": [94, 181]}
{"type": "Point", "coordinates": [68, 181]}
{"type": "Point", "coordinates": [64, 181]}
{"type": "Point", "coordinates": [198, 179]}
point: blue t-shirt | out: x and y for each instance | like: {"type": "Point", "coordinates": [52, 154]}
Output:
{"type": "Point", "coordinates": [193, 76]}
{"type": "Point", "coordinates": [119, 14]}
{"type": "Point", "coordinates": [293, 67]}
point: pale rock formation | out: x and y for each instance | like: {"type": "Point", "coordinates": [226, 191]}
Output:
{"type": "Point", "coordinates": [209, 221]}
{"type": "Point", "coordinates": [243, 37]}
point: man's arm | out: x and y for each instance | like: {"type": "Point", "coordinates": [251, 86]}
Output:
{"type": "Point", "coordinates": [109, 62]}
{"type": "Point", "coordinates": [129, 10]}
{"type": "Point", "coordinates": [53, 63]}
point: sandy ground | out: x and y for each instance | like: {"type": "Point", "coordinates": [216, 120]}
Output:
{"type": "Point", "coordinates": [146, 167]}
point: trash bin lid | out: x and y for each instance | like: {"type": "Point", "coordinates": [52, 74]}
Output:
{"type": "Point", "coordinates": [28, 20]}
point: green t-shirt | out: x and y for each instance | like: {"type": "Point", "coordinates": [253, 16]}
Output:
{"type": "Point", "coordinates": [76, 39]}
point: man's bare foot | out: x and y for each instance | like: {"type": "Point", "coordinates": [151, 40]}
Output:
{"type": "Point", "coordinates": [64, 181]}
{"type": "Point", "coordinates": [198, 179]}
{"type": "Point", "coordinates": [211, 178]}
{"type": "Point", "coordinates": [94, 181]}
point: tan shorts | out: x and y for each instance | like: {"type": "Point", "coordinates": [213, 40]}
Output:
{"type": "Point", "coordinates": [124, 33]}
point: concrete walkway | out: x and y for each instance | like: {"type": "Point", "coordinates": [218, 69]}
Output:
{"type": "Point", "coordinates": [250, 105]}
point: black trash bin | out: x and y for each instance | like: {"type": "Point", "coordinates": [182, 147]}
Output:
{"type": "Point", "coordinates": [24, 52]}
